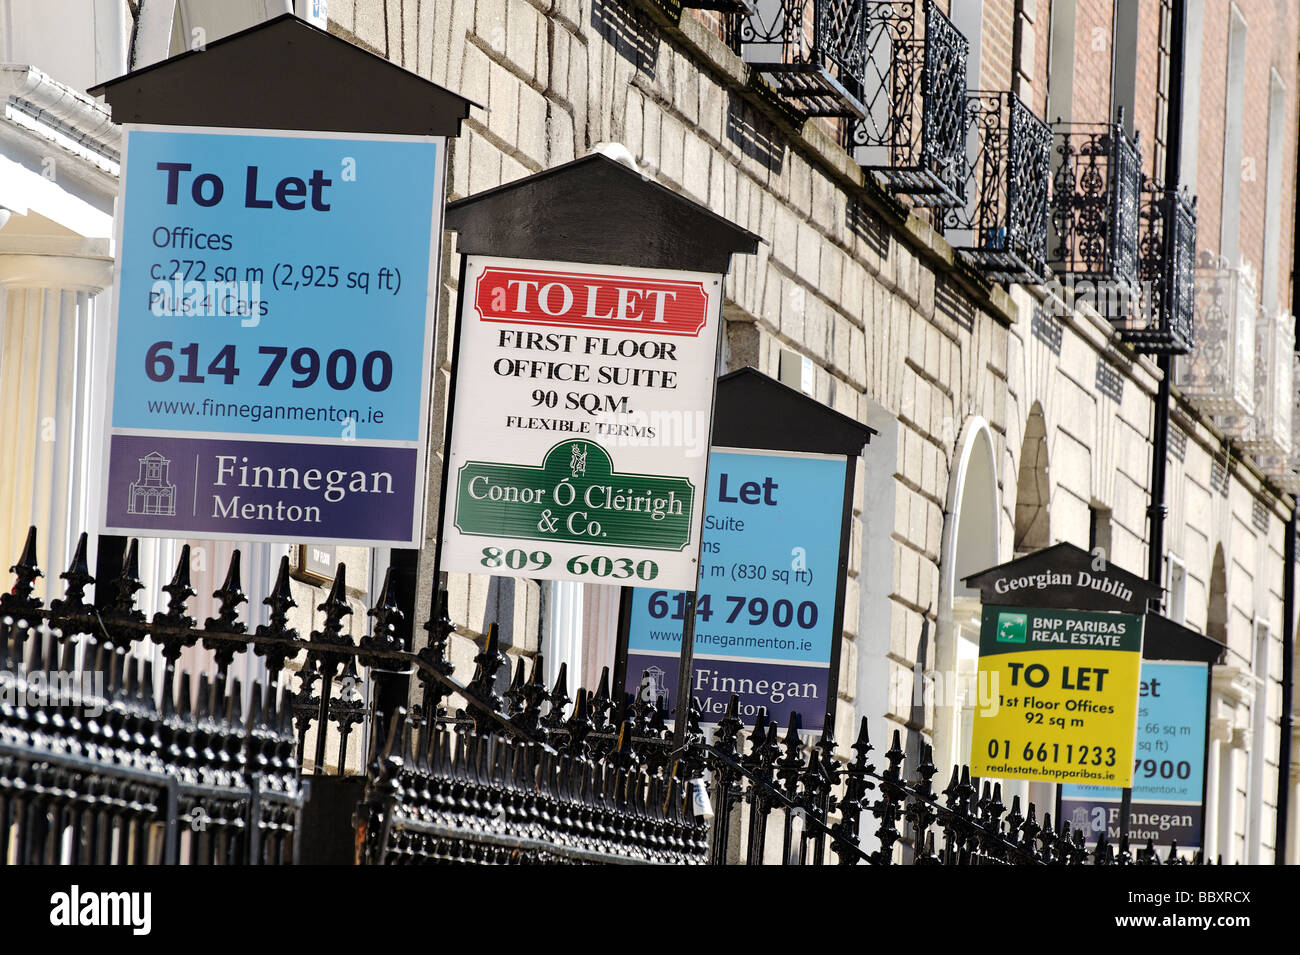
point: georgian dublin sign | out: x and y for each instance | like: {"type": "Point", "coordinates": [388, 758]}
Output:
{"type": "Point", "coordinates": [273, 324]}
{"type": "Point", "coordinates": [1060, 650]}
{"type": "Point", "coordinates": [1066, 577]}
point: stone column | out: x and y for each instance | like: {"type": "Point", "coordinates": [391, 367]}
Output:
{"type": "Point", "coordinates": [51, 413]}
{"type": "Point", "coordinates": [1220, 731]}
{"type": "Point", "coordinates": [563, 640]}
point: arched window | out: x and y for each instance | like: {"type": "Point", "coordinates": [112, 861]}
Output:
{"type": "Point", "coordinates": [970, 545]}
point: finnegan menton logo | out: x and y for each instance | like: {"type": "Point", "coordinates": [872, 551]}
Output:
{"type": "Point", "coordinates": [1012, 627]}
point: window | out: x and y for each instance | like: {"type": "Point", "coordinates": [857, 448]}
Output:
{"type": "Point", "coordinates": [1123, 63]}
{"type": "Point", "coordinates": [1060, 61]}
{"type": "Point", "coordinates": [1233, 114]}
{"type": "Point", "coordinates": [1277, 159]}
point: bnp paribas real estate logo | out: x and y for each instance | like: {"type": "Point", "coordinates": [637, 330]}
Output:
{"type": "Point", "coordinates": [1012, 627]}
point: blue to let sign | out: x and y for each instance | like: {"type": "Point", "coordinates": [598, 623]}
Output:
{"type": "Point", "coordinates": [1168, 765]}
{"type": "Point", "coordinates": [273, 335]}
{"type": "Point", "coordinates": [769, 579]}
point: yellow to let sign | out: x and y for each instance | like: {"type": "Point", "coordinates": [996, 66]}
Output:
{"type": "Point", "coordinates": [1062, 696]}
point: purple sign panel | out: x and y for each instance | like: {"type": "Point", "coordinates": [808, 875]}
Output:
{"type": "Point", "coordinates": [1160, 822]}
{"type": "Point", "coordinates": [779, 688]}
{"type": "Point", "coordinates": [246, 490]}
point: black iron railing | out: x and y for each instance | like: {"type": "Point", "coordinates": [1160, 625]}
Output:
{"type": "Point", "coordinates": [488, 770]}
{"type": "Point", "coordinates": [101, 764]}
{"type": "Point", "coordinates": [1002, 230]}
{"type": "Point", "coordinates": [913, 134]}
{"type": "Point", "coordinates": [811, 51]}
{"type": "Point", "coordinates": [1166, 320]}
{"type": "Point", "coordinates": [1096, 187]}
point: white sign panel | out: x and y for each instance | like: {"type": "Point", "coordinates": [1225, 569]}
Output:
{"type": "Point", "coordinates": [584, 399]}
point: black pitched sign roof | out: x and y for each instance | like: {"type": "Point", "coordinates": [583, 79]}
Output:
{"type": "Point", "coordinates": [754, 411]}
{"type": "Point", "coordinates": [1063, 577]}
{"type": "Point", "coordinates": [596, 210]}
{"type": "Point", "coordinates": [1163, 639]}
{"type": "Point", "coordinates": [285, 74]}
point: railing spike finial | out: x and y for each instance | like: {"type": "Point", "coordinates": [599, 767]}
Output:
{"type": "Point", "coordinates": [229, 596]}
{"type": "Point", "coordinates": [387, 615]}
{"type": "Point", "coordinates": [234, 712]}
{"type": "Point", "coordinates": [487, 663]}
{"type": "Point", "coordinates": [227, 623]}
{"type": "Point", "coordinates": [532, 693]}
{"type": "Point", "coordinates": [185, 696]}
{"type": "Point", "coordinates": [173, 628]}
{"type": "Point", "coordinates": [336, 606]}
{"type": "Point", "coordinates": [20, 598]}
{"type": "Point", "coordinates": [203, 704]}
{"type": "Point", "coordinates": [862, 745]}
{"type": "Point", "coordinates": [579, 725]}
{"type": "Point", "coordinates": [726, 737]}
{"type": "Point", "coordinates": [74, 616]}
{"type": "Point", "coordinates": [514, 694]}
{"type": "Point", "coordinates": [559, 698]}
{"type": "Point", "coordinates": [280, 601]}
{"type": "Point", "coordinates": [601, 702]}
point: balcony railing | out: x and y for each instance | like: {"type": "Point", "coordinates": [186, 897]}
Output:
{"type": "Point", "coordinates": [1002, 230]}
{"type": "Point", "coordinates": [913, 132]}
{"type": "Point", "coordinates": [1164, 322]}
{"type": "Point", "coordinates": [1218, 375]}
{"type": "Point", "coordinates": [1096, 186]}
{"type": "Point", "coordinates": [811, 51]}
{"type": "Point", "coordinates": [1289, 478]}
{"type": "Point", "coordinates": [1267, 433]}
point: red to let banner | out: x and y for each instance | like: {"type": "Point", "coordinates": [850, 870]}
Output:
{"type": "Point", "coordinates": [577, 300]}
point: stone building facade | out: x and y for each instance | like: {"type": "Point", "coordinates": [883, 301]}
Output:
{"type": "Point", "coordinates": [1007, 418]}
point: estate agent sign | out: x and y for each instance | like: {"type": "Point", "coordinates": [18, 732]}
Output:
{"type": "Point", "coordinates": [1168, 769]}
{"type": "Point", "coordinates": [273, 326]}
{"type": "Point", "coordinates": [591, 389]}
{"type": "Point", "coordinates": [273, 334]}
{"type": "Point", "coordinates": [1066, 686]}
{"type": "Point", "coordinates": [765, 617]}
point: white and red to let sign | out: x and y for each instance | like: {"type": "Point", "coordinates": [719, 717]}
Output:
{"type": "Point", "coordinates": [584, 452]}
{"type": "Point", "coordinates": [587, 299]}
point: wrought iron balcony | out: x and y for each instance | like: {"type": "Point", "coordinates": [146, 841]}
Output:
{"type": "Point", "coordinates": [811, 51]}
{"type": "Point", "coordinates": [1002, 229]}
{"type": "Point", "coordinates": [1218, 375]}
{"type": "Point", "coordinates": [1096, 186]}
{"type": "Point", "coordinates": [913, 134]}
{"type": "Point", "coordinates": [1164, 320]}
{"type": "Point", "coordinates": [1289, 478]}
{"type": "Point", "coordinates": [1267, 433]}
